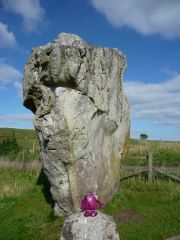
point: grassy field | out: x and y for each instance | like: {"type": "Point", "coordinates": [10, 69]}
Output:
{"type": "Point", "coordinates": [26, 138]}
{"type": "Point", "coordinates": [164, 153]}
{"type": "Point", "coordinates": [24, 212]}
{"type": "Point", "coordinates": [27, 141]}
{"type": "Point", "coordinates": [142, 210]}
{"type": "Point", "coordinates": [146, 211]}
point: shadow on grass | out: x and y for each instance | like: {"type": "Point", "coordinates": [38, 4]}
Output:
{"type": "Point", "coordinates": [43, 180]}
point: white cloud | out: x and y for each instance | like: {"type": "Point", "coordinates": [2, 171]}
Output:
{"type": "Point", "coordinates": [16, 117]}
{"type": "Point", "coordinates": [170, 122]}
{"type": "Point", "coordinates": [9, 75]}
{"type": "Point", "coordinates": [159, 102]}
{"type": "Point", "coordinates": [7, 38]}
{"type": "Point", "coordinates": [19, 86]}
{"type": "Point", "coordinates": [30, 10]}
{"type": "Point", "coordinates": [147, 17]}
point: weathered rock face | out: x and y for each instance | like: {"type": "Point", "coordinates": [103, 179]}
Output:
{"type": "Point", "coordinates": [81, 117]}
{"type": "Point", "coordinates": [78, 227]}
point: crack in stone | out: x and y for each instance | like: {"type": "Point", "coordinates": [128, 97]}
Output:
{"type": "Point", "coordinates": [98, 113]}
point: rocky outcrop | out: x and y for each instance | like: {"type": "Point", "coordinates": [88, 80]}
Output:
{"type": "Point", "coordinates": [78, 227]}
{"type": "Point", "coordinates": [81, 117]}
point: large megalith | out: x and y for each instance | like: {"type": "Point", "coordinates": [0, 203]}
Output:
{"type": "Point", "coordinates": [81, 117]}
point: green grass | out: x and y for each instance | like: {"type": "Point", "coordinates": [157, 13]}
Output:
{"type": "Point", "coordinates": [27, 141]}
{"type": "Point", "coordinates": [26, 138]}
{"type": "Point", "coordinates": [15, 182]}
{"type": "Point", "coordinates": [164, 153]}
{"type": "Point", "coordinates": [167, 157]}
{"type": "Point", "coordinates": [157, 204]}
{"type": "Point", "coordinates": [25, 214]}
{"type": "Point", "coordinates": [22, 156]}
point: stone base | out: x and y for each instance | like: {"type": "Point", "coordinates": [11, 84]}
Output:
{"type": "Point", "coordinates": [78, 227]}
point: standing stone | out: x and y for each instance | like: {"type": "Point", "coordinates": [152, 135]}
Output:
{"type": "Point", "coordinates": [78, 227]}
{"type": "Point", "coordinates": [81, 117]}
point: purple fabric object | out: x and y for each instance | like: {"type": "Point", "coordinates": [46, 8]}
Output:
{"type": "Point", "coordinates": [89, 204]}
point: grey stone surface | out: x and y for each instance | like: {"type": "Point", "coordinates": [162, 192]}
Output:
{"type": "Point", "coordinates": [78, 227]}
{"type": "Point", "coordinates": [81, 117]}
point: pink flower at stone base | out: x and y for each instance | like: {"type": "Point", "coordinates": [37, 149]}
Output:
{"type": "Point", "coordinates": [89, 204]}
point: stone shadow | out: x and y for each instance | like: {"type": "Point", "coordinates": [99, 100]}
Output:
{"type": "Point", "coordinates": [43, 180]}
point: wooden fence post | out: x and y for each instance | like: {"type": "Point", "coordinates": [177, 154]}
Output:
{"type": "Point", "coordinates": [33, 148]}
{"type": "Point", "coordinates": [150, 167]}
{"type": "Point", "coordinates": [23, 159]}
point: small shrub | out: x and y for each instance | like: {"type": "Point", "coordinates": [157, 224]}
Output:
{"type": "Point", "coordinates": [9, 146]}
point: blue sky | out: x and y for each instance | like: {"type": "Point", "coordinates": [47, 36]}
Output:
{"type": "Point", "coordinates": [148, 32]}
